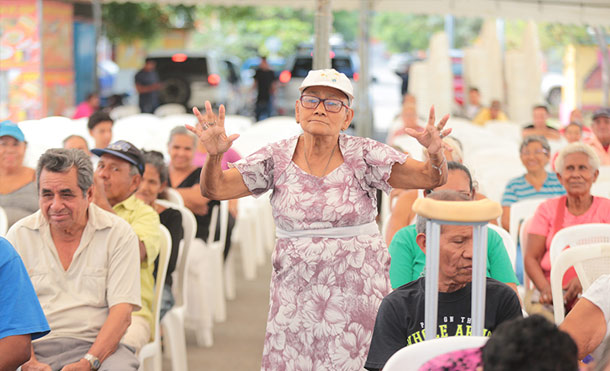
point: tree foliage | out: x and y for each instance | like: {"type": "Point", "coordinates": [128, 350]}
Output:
{"type": "Point", "coordinates": [243, 31]}
{"type": "Point", "coordinates": [144, 21]}
{"type": "Point", "coordinates": [410, 32]}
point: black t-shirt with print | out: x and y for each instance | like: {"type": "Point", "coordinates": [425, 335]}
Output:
{"type": "Point", "coordinates": [400, 320]}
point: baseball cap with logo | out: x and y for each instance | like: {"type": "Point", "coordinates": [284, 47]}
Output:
{"type": "Point", "coordinates": [123, 150]}
{"type": "Point", "coordinates": [602, 112]}
{"type": "Point", "coordinates": [330, 78]}
{"type": "Point", "coordinates": [9, 128]}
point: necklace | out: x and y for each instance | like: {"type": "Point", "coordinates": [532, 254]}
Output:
{"type": "Point", "coordinates": [327, 163]}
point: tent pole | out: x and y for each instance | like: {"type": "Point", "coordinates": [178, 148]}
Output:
{"type": "Point", "coordinates": [97, 23]}
{"type": "Point", "coordinates": [323, 24]}
{"type": "Point", "coordinates": [364, 121]}
{"type": "Point", "coordinates": [605, 64]}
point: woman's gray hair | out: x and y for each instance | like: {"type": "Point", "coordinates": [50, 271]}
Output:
{"type": "Point", "coordinates": [181, 130]}
{"type": "Point", "coordinates": [60, 160]}
{"type": "Point", "coordinates": [155, 158]}
{"type": "Point", "coordinates": [535, 138]}
{"type": "Point", "coordinates": [577, 147]}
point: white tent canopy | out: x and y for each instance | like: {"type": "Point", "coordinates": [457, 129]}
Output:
{"type": "Point", "coordinates": [591, 12]}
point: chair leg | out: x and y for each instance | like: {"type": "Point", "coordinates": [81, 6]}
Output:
{"type": "Point", "coordinates": [230, 291]}
{"type": "Point", "coordinates": [173, 329]}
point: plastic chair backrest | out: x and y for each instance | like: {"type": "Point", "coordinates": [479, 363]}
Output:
{"type": "Point", "coordinates": [589, 261]}
{"type": "Point", "coordinates": [412, 357]}
{"type": "Point", "coordinates": [189, 226]}
{"type": "Point", "coordinates": [174, 196]}
{"type": "Point", "coordinates": [519, 211]}
{"type": "Point", "coordinates": [582, 234]}
{"type": "Point", "coordinates": [124, 111]}
{"type": "Point", "coordinates": [165, 250]}
{"type": "Point", "coordinates": [213, 223]}
{"type": "Point", "coordinates": [219, 214]}
{"type": "Point", "coordinates": [523, 230]}
{"type": "Point", "coordinates": [169, 109]}
{"type": "Point", "coordinates": [509, 243]}
{"type": "Point", "coordinates": [601, 188]}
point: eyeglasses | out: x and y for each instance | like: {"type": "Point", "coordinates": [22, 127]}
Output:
{"type": "Point", "coordinates": [331, 105]}
{"type": "Point", "coordinates": [536, 152]}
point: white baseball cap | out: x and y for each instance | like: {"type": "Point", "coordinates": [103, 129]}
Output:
{"type": "Point", "coordinates": [330, 78]}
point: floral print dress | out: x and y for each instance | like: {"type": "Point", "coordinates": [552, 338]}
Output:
{"type": "Point", "coordinates": [325, 292]}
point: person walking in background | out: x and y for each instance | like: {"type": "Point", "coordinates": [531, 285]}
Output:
{"type": "Point", "coordinates": [88, 106]}
{"type": "Point", "coordinates": [264, 81]}
{"type": "Point", "coordinates": [148, 86]}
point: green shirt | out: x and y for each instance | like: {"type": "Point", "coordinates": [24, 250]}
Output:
{"type": "Point", "coordinates": [144, 220]}
{"type": "Point", "coordinates": [408, 261]}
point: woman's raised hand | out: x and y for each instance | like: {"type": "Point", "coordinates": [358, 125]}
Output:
{"type": "Point", "coordinates": [432, 135]}
{"type": "Point", "coordinates": [210, 130]}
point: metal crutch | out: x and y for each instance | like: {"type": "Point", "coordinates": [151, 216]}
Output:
{"type": "Point", "coordinates": [475, 213]}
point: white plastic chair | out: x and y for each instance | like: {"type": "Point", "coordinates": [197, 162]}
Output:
{"type": "Point", "coordinates": [200, 307]}
{"type": "Point", "coordinates": [576, 235]}
{"type": "Point", "coordinates": [169, 109]}
{"type": "Point", "coordinates": [523, 231]}
{"type": "Point", "coordinates": [601, 188]}
{"type": "Point", "coordinates": [3, 222]}
{"type": "Point", "coordinates": [124, 111]}
{"type": "Point", "coordinates": [215, 260]}
{"type": "Point", "coordinates": [509, 243]}
{"type": "Point", "coordinates": [518, 212]}
{"type": "Point", "coordinates": [153, 348]}
{"type": "Point", "coordinates": [589, 261]}
{"type": "Point", "coordinates": [174, 196]}
{"type": "Point", "coordinates": [412, 357]}
{"type": "Point", "coordinates": [173, 321]}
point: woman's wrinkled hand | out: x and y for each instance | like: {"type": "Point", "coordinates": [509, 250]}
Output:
{"type": "Point", "coordinates": [432, 135]}
{"type": "Point", "coordinates": [210, 130]}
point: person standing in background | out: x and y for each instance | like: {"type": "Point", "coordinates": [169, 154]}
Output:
{"type": "Point", "coordinates": [148, 86]}
{"type": "Point", "coordinates": [88, 106]}
{"type": "Point", "coordinates": [264, 81]}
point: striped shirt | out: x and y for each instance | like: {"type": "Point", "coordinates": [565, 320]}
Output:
{"type": "Point", "coordinates": [519, 189]}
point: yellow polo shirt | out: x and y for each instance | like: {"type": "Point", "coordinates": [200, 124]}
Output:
{"type": "Point", "coordinates": [484, 115]}
{"type": "Point", "coordinates": [145, 222]}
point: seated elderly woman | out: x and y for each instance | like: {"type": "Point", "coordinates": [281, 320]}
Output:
{"type": "Point", "coordinates": [577, 169]}
{"type": "Point", "coordinates": [588, 323]}
{"type": "Point", "coordinates": [408, 260]}
{"type": "Point", "coordinates": [537, 182]}
{"type": "Point", "coordinates": [153, 184]}
{"type": "Point", "coordinates": [18, 193]}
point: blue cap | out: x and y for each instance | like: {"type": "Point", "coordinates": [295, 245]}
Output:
{"type": "Point", "coordinates": [11, 129]}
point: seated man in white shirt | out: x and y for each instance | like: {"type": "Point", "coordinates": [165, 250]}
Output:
{"type": "Point", "coordinates": [84, 265]}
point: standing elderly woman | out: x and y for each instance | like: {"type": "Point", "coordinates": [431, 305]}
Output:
{"type": "Point", "coordinates": [537, 182]}
{"type": "Point", "coordinates": [330, 264]}
{"type": "Point", "coordinates": [577, 166]}
{"type": "Point", "coordinates": [18, 193]}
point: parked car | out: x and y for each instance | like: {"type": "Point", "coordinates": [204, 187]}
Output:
{"type": "Point", "coordinates": [296, 70]}
{"type": "Point", "coordinates": [191, 78]}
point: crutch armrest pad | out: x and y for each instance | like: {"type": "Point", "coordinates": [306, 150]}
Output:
{"type": "Point", "coordinates": [458, 211]}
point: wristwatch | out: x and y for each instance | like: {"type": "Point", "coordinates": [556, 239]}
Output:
{"type": "Point", "coordinates": [93, 361]}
